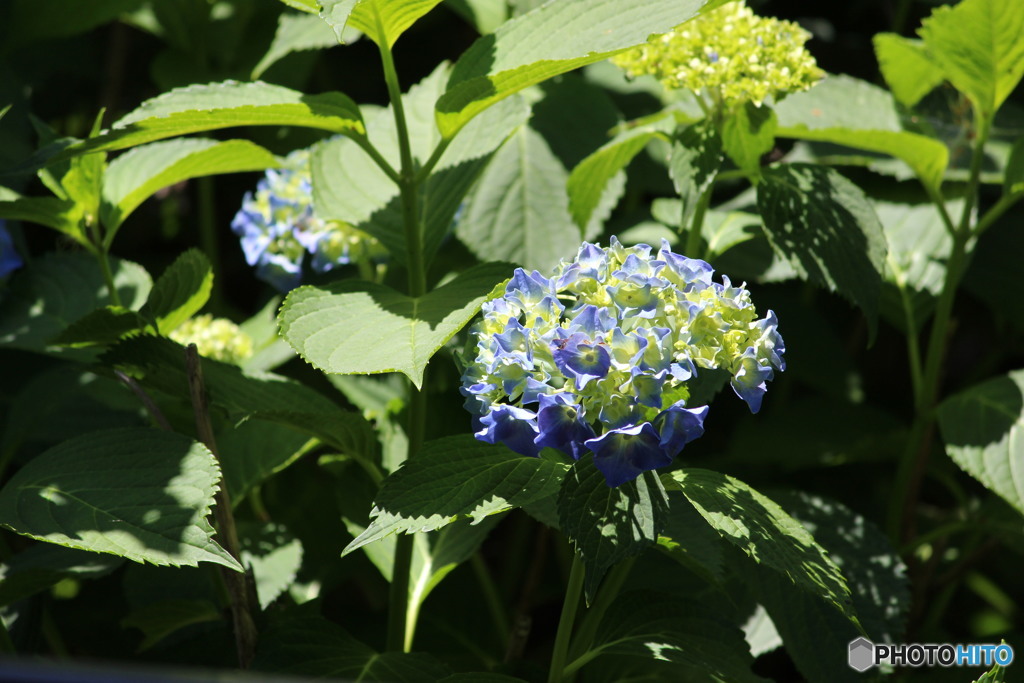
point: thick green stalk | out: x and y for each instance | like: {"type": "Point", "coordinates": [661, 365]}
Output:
{"type": "Point", "coordinates": [565, 623]}
{"type": "Point", "coordinates": [693, 235]}
{"type": "Point", "coordinates": [401, 628]}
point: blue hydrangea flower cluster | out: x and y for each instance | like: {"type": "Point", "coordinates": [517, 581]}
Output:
{"type": "Point", "coordinates": [600, 357]}
{"type": "Point", "coordinates": [10, 260]}
{"type": "Point", "coordinates": [280, 233]}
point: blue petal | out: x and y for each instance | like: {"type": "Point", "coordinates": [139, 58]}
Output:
{"type": "Point", "coordinates": [10, 260]}
{"type": "Point", "coordinates": [514, 427]}
{"type": "Point", "coordinates": [527, 291]}
{"type": "Point", "coordinates": [561, 425]}
{"type": "Point", "coordinates": [678, 426]}
{"type": "Point", "coordinates": [623, 454]}
{"type": "Point", "coordinates": [749, 380]}
{"type": "Point", "coordinates": [582, 360]}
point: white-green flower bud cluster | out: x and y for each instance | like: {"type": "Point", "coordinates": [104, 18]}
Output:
{"type": "Point", "coordinates": [215, 338]}
{"type": "Point", "coordinates": [731, 54]}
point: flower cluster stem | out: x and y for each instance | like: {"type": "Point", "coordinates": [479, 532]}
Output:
{"type": "Point", "coordinates": [573, 591]}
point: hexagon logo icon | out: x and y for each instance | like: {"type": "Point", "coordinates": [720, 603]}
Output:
{"type": "Point", "coordinates": [862, 654]}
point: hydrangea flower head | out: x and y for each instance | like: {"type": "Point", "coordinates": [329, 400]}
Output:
{"type": "Point", "coordinates": [730, 53]}
{"type": "Point", "coordinates": [9, 258]}
{"type": "Point", "coordinates": [279, 231]}
{"type": "Point", "coordinates": [216, 338]}
{"type": "Point", "coordinates": [601, 356]}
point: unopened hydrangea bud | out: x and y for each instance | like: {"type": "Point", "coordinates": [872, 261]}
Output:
{"type": "Point", "coordinates": [599, 358]}
{"type": "Point", "coordinates": [279, 230]}
{"type": "Point", "coordinates": [730, 53]}
{"type": "Point", "coordinates": [216, 338]}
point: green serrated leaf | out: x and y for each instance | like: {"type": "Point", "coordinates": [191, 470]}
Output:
{"type": "Point", "coordinates": [383, 21]}
{"type": "Point", "coordinates": [997, 674]}
{"type": "Point", "coordinates": [101, 327]}
{"type": "Point", "coordinates": [484, 15]}
{"type": "Point", "coordinates": [607, 524]}
{"type": "Point", "coordinates": [748, 133]}
{"type": "Point", "coordinates": [62, 215]}
{"type": "Point", "coordinates": [141, 494]}
{"type": "Point", "coordinates": [979, 45]}
{"type": "Point", "coordinates": [847, 111]}
{"type": "Point", "coordinates": [908, 69]}
{"type": "Point", "coordinates": [309, 6]}
{"type": "Point", "coordinates": [982, 429]}
{"type": "Point", "coordinates": [588, 180]}
{"type": "Point", "coordinates": [199, 108]}
{"type": "Point", "coordinates": [519, 209]}
{"type": "Point", "coordinates": [275, 556]}
{"type": "Point", "coordinates": [349, 186]}
{"type": "Point", "coordinates": [693, 164]}
{"type": "Point", "coordinates": [180, 291]}
{"type": "Point", "coordinates": [682, 638]}
{"type": "Point", "coordinates": [301, 645]}
{"type": "Point", "coordinates": [43, 565]}
{"type": "Point", "coordinates": [552, 39]}
{"type": "Point", "coordinates": [55, 290]}
{"type": "Point", "coordinates": [764, 532]}
{"type": "Point", "coordinates": [691, 542]}
{"type": "Point", "coordinates": [139, 173]}
{"type": "Point", "coordinates": [254, 451]}
{"type": "Point", "coordinates": [353, 327]}
{"type": "Point", "coordinates": [456, 477]}
{"type": "Point", "coordinates": [298, 33]}
{"type": "Point", "coordinates": [825, 227]}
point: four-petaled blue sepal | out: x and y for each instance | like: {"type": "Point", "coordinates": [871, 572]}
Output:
{"type": "Point", "coordinates": [678, 425]}
{"type": "Point", "coordinates": [749, 379]}
{"type": "Point", "coordinates": [561, 425]}
{"type": "Point", "coordinates": [581, 360]}
{"type": "Point", "coordinates": [623, 454]}
{"type": "Point", "coordinates": [514, 427]}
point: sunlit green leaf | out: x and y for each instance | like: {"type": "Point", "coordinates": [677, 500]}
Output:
{"type": "Point", "coordinates": [297, 33]}
{"type": "Point", "coordinates": [180, 291]}
{"type": "Point", "coordinates": [908, 69]}
{"type": "Point", "coordinates": [141, 494]}
{"type": "Point", "coordinates": [383, 21]}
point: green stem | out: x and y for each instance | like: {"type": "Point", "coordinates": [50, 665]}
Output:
{"type": "Point", "coordinates": [565, 623]}
{"type": "Point", "coordinates": [491, 596]}
{"type": "Point", "coordinates": [693, 236]}
{"type": "Point", "coordinates": [402, 628]}
{"type": "Point", "coordinates": [424, 172]}
{"type": "Point", "coordinates": [997, 210]}
{"type": "Point", "coordinates": [108, 276]}
{"type": "Point", "coordinates": [915, 457]}
{"type": "Point", "coordinates": [609, 590]}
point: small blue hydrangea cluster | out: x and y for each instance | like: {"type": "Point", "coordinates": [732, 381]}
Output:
{"type": "Point", "coordinates": [600, 357]}
{"type": "Point", "coordinates": [279, 230]}
{"type": "Point", "coordinates": [10, 260]}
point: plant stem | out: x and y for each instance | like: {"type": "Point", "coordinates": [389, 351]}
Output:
{"type": "Point", "coordinates": [605, 596]}
{"type": "Point", "coordinates": [108, 276]}
{"type": "Point", "coordinates": [242, 607]}
{"type": "Point", "coordinates": [693, 236]}
{"type": "Point", "coordinates": [915, 458]}
{"type": "Point", "coordinates": [569, 608]}
{"type": "Point", "coordinates": [401, 628]}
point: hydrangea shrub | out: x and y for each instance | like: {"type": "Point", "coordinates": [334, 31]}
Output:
{"type": "Point", "coordinates": [599, 356]}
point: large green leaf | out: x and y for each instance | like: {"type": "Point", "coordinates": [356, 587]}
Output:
{"type": "Point", "coordinates": [383, 21]}
{"type": "Point", "coordinates": [748, 133]}
{"type": "Point", "coordinates": [309, 645]}
{"type": "Point", "coordinates": [137, 174]}
{"type": "Point", "coordinates": [552, 39]}
{"type": "Point", "coordinates": [141, 494]}
{"type": "Point", "coordinates": [180, 291]}
{"type": "Point", "coordinates": [353, 327]}
{"type": "Point", "coordinates": [764, 532]}
{"type": "Point", "coordinates": [609, 524]}
{"type": "Point", "coordinates": [296, 33]}
{"type": "Point", "coordinates": [162, 618]}
{"type": "Point", "coordinates": [979, 44]}
{"type": "Point", "coordinates": [485, 15]}
{"type": "Point", "coordinates": [685, 639]}
{"type": "Point", "coordinates": [588, 180]}
{"type": "Point", "coordinates": [275, 556]}
{"type": "Point", "coordinates": [198, 108]}
{"type": "Point", "coordinates": [982, 428]}
{"type": "Point", "coordinates": [846, 111]}
{"type": "Point", "coordinates": [825, 227]}
{"type": "Point", "coordinates": [908, 69]}
{"type": "Point", "coordinates": [457, 477]}
{"type": "Point", "coordinates": [880, 593]}
{"type": "Point", "coordinates": [693, 164]}
{"type": "Point", "coordinates": [63, 215]}
{"type": "Point", "coordinates": [349, 186]}
{"type": "Point", "coordinates": [101, 327]}
{"type": "Point", "coordinates": [519, 209]}
{"type": "Point", "coordinates": [56, 290]}
{"type": "Point", "coordinates": [256, 449]}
